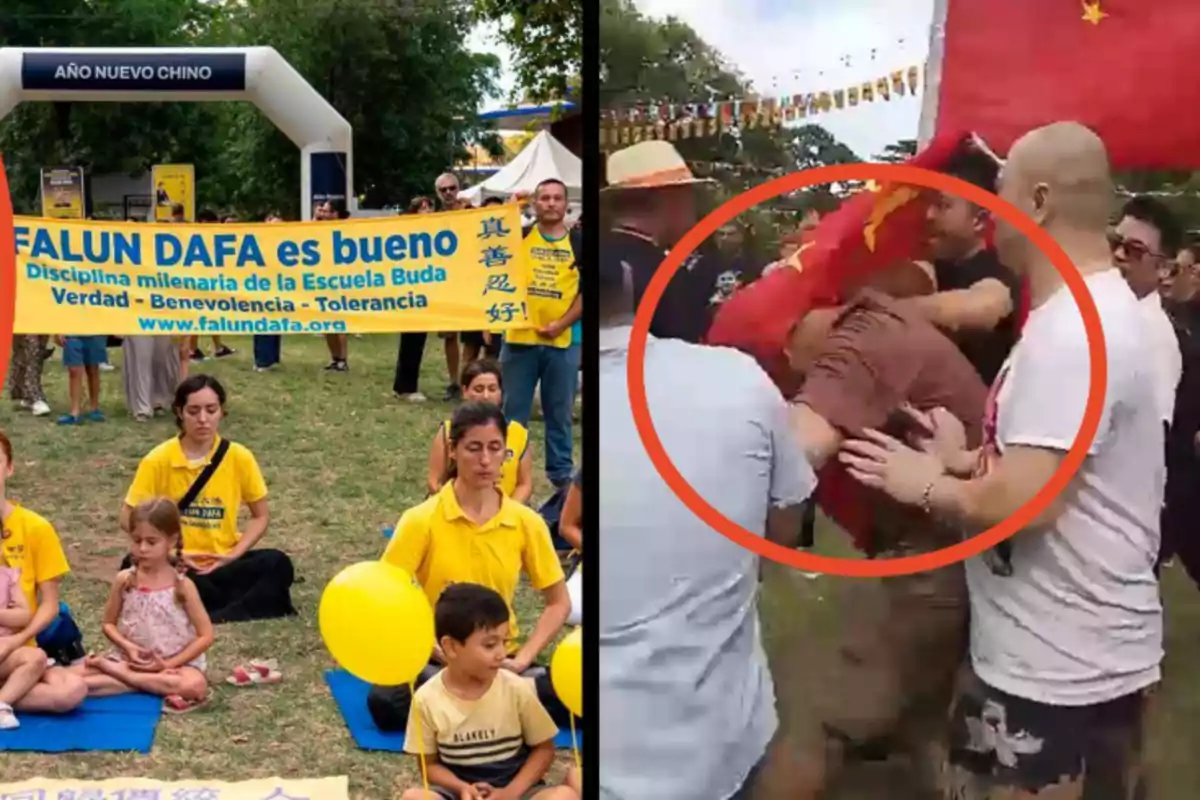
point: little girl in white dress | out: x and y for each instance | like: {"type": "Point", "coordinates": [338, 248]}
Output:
{"type": "Point", "coordinates": [155, 619]}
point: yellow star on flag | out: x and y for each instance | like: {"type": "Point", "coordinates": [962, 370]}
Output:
{"type": "Point", "coordinates": [796, 262]}
{"type": "Point", "coordinates": [1092, 12]}
{"type": "Point", "coordinates": [891, 200]}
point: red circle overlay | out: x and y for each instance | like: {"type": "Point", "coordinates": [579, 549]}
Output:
{"type": "Point", "coordinates": [867, 568]}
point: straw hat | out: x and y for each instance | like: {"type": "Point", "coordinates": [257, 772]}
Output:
{"type": "Point", "coordinates": [649, 165]}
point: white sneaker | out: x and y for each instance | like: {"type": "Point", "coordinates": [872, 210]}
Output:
{"type": "Point", "coordinates": [40, 408]}
{"type": "Point", "coordinates": [415, 397]}
{"type": "Point", "coordinates": [106, 367]}
{"type": "Point", "coordinates": [8, 720]}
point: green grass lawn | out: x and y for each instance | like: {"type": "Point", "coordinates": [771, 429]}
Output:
{"type": "Point", "coordinates": [799, 613]}
{"type": "Point", "coordinates": [342, 459]}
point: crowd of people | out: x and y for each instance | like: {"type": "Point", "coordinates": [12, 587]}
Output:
{"type": "Point", "coordinates": [192, 566]}
{"type": "Point", "coordinates": [939, 404]}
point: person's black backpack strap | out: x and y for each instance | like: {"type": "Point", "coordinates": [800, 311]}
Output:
{"type": "Point", "coordinates": [203, 478]}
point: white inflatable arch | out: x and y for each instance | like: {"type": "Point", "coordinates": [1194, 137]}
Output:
{"type": "Point", "coordinates": [148, 75]}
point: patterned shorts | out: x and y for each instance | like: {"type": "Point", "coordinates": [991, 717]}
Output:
{"type": "Point", "coordinates": [1000, 744]}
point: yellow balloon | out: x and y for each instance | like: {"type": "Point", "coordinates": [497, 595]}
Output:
{"type": "Point", "coordinates": [377, 622]}
{"type": "Point", "coordinates": [566, 672]}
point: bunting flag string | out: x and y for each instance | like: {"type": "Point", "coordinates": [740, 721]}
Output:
{"type": "Point", "coordinates": [722, 169]}
{"type": "Point", "coordinates": [621, 127]}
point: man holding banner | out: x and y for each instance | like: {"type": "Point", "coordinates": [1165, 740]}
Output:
{"type": "Point", "coordinates": [547, 353]}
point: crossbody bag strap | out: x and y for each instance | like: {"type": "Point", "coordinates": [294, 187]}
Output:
{"type": "Point", "coordinates": [202, 479]}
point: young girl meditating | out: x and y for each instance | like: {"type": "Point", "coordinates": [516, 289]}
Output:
{"type": "Point", "coordinates": [155, 618]}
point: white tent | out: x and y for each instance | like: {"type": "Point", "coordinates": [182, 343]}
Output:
{"type": "Point", "coordinates": [544, 157]}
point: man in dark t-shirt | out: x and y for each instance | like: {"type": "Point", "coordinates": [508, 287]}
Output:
{"type": "Point", "coordinates": [985, 341]}
{"type": "Point", "coordinates": [901, 639]}
{"type": "Point", "coordinates": [1181, 503]}
{"type": "Point", "coordinates": [977, 300]}
{"type": "Point", "coordinates": [686, 307]}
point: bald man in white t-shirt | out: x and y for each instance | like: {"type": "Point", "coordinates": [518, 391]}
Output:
{"type": "Point", "coordinates": [1066, 621]}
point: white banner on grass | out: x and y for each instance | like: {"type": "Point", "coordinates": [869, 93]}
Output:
{"type": "Point", "coordinates": [144, 789]}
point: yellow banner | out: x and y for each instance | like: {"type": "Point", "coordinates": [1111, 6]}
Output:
{"type": "Point", "coordinates": [174, 183]}
{"type": "Point", "coordinates": [62, 193]}
{"type": "Point", "coordinates": [458, 271]}
{"type": "Point", "coordinates": [144, 789]}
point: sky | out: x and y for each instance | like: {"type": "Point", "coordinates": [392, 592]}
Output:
{"type": "Point", "coordinates": [791, 47]}
{"type": "Point", "coordinates": [484, 40]}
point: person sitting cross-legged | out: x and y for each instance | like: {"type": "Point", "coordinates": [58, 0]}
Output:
{"type": "Point", "coordinates": [154, 619]}
{"type": "Point", "coordinates": [469, 532]}
{"type": "Point", "coordinates": [481, 728]}
{"type": "Point", "coordinates": [30, 549]}
{"type": "Point", "coordinates": [210, 478]}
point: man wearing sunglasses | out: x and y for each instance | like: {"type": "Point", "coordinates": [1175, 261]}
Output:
{"type": "Point", "coordinates": [1145, 244]}
{"type": "Point", "coordinates": [446, 188]}
{"type": "Point", "coordinates": [1146, 240]}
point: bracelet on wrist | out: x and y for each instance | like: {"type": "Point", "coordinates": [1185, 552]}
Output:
{"type": "Point", "coordinates": [927, 497]}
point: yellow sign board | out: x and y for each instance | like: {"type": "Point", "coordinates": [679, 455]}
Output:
{"type": "Point", "coordinates": [62, 193]}
{"type": "Point", "coordinates": [174, 183]}
{"type": "Point", "coordinates": [458, 271]}
{"type": "Point", "coordinates": [138, 788]}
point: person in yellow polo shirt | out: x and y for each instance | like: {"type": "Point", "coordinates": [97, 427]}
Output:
{"type": "Point", "coordinates": [469, 532]}
{"type": "Point", "coordinates": [548, 352]}
{"type": "Point", "coordinates": [236, 581]}
{"type": "Point", "coordinates": [30, 546]}
{"type": "Point", "coordinates": [482, 381]}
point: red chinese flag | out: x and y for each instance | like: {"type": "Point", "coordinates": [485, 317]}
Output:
{"type": "Point", "coordinates": [1009, 66]}
{"type": "Point", "coordinates": [869, 233]}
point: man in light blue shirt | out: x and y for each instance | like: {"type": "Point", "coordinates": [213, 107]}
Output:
{"type": "Point", "coordinates": [688, 705]}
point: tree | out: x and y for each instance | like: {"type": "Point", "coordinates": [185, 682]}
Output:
{"type": "Point", "coordinates": [649, 61]}
{"type": "Point", "coordinates": [644, 60]}
{"type": "Point", "coordinates": [898, 152]}
{"type": "Point", "coordinates": [101, 137]}
{"type": "Point", "coordinates": [813, 146]}
{"type": "Point", "coordinates": [399, 72]}
{"type": "Point", "coordinates": [546, 36]}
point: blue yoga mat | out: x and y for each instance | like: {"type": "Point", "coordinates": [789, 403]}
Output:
{"type": "Point", "coordinates": [350, 694]}
{"type": "Point", "coordinates": [124, 722]}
